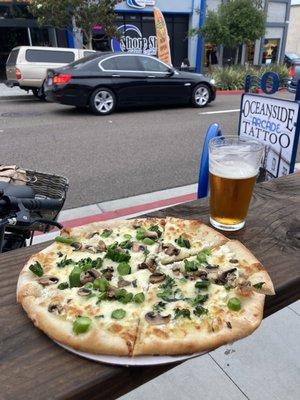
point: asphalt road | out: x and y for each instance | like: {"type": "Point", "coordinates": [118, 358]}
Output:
{"type": "Point", "coordinates": [106, 158]}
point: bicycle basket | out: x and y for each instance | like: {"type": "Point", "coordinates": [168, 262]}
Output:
{"type": "Point", "coordinates": [47, 185]}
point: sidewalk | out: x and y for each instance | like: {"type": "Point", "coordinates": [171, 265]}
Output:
{"type": "Point", "coordinates": [12, 92]}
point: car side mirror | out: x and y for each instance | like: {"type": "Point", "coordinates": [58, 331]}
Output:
{"type": "Point", "coordinates": [171, 71]}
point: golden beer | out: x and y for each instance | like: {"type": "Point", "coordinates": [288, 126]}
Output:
{"type": "Point", "coordinates": [230, 198]}
{"type": "Point", "coordinates": [233, 167]}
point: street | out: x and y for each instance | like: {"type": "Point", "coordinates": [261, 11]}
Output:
{"type": "Point", "coordinates": [127, 153]}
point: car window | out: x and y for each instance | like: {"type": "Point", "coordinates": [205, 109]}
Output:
{"type": "Point", "coordinates": [50, 56]}
{"type": "Point", "coordinates": [88, 53]}
{"type": "Point", "coordinates": [127, 63]}
{"type": "Point", "coordinates": [12, 59]}
{"type": "Point", "coordinates": [109, 64]}
{"type": "Point", "coordinates": [150, 64]}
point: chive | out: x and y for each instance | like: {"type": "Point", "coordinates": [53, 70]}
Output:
{"type": "Point", "coordinates": [101, 284]}
{"type": "Point", "coordinates": [74, 277]}
{"type": "Point", "coordinates": [190, 266]}
{"type": "Point", "coordinates": [123, 296]}
{"type": "Point", "coordinates": [148, 241]}
{"type": "Point", "coordinates": [183, 242]}
{"type": "Point", "coordinates": [259, 285]}
{"type": "Point", "coordinates": [202, 255]}
{"type": "Point", "coordinates": [234, 304]}
{"type": "Point", "coordinates": [37, 269]}
{"type": "Point", "coordinates": [106, 233]}
{"type": "Point", "coordinates": [124, 269]}
{"type": "Point", "coordinates": [199, 310]}
{"type": "Point", "coordinates": [64, 240]}
{"type": "Point", "coordinates": [139, 298]}
{"type": "Point", "coordinates": [81, 325]}
{"type": "Point", "coordinates": [182, 313]}
{"type": "Point", "coordinates": [118, 314]}
{"type": "Point", "coordinates": [204, 284]}
{"type": "Point", "coordinates": [63, 286]}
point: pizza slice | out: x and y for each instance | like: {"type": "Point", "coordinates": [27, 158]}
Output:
{"type": "Point", "coordinates": [77, 304]}
{"type": "Point", "coordinates": [183, 238]}
{"type": "Point", "coordinates": [183, 316]}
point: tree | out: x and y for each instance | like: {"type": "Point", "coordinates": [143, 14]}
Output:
{"type": "Point", "coordinates": [236, 22]}
{"type": "Point", "coordinates": [80, 14]}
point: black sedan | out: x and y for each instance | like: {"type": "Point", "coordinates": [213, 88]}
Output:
{"type": "Point", "coordinates": [106, 81]}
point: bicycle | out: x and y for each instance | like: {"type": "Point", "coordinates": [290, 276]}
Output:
{"type": "Point", "coordinates": [25, 209]}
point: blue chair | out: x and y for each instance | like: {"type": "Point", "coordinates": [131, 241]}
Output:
{"type": "Point", "coordinates": [213, 131]}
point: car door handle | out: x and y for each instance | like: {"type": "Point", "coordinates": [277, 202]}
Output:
{"type": "Point", "coordinates": [116, 76]}
{"type": "Point", "coordinates": [187, 84]}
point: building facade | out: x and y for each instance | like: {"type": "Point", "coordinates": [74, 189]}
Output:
{"type": "Point", "coordinates": [134, 19]}
{"type": "Point", "coordinates": [293, 37]}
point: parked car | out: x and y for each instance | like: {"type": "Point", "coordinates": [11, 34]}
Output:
{"type": "Point", "coordinates": [289, 58]}
{"type": "Point", "coordinates": [121, 79]}
{"type": "Point", "coordinates": [27, 66]}
{"type": "Point", "coordinates": [294, 73]}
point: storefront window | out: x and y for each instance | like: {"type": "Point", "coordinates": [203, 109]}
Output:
{"type": "Point", "coordinates": [5, 11]}
{"type": "Point", "coordinates": [40, 37]}
{"type": "Point", "coordinates": [270, 51]}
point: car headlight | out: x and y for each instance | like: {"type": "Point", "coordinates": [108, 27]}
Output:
{"type": "Point", "coordinates": [212, 81]}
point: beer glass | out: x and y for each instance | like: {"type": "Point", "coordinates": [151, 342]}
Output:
{"type": "Point", "coordinates": [233, 166]}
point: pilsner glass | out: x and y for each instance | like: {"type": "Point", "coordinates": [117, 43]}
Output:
{"type": "Point", "coordinates": [233, 166]}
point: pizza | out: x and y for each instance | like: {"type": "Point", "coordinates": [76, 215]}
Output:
{"type": "Point", "coordinates": [144, 287]}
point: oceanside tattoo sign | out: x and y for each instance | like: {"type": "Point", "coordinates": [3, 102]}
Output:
{"type": "Point", "coordinates": [275, 123]}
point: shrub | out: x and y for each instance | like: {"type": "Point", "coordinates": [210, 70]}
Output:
{"type": "Point", "coordinates": [233, 77]}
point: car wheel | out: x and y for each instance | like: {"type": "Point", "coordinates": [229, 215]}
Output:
{"type": "Point", "coordinates": [201, 95]}
{"type": "Point", "coordinates": [102, 101]}
{"type": "Point", "coordinates": [39, 93]}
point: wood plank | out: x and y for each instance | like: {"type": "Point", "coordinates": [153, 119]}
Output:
{"type": "Point", "coordinates": [32, 365]}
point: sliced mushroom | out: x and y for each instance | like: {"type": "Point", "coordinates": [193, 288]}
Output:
{"type": "Point", "coordinates": [151, 234]}
{"type": "Point", "coordinates": [151, 264]}
{"type": "Point", "coordinates": [157, 277]}
{"type": "Point", "coordinates": [136, 247]}
{"type": "Point", "coordinates": [83, 292]}
{"type": "Point", "coordinates": [228, 323]}
{"type": "Point", "coordinates": [108, 273]}
{"type": "Point", "coordinates": [76, 245]}
{"type": "Point", "coordinates": [122, 283]}
{"type": "Point", "coordinates": [111, 291]}
{"type": "Point", "coordinates": [48, 280]}
{"type": "Point", "coordinates": [90, 249]}
{"type": "Point", "coordinates": [89, 276]}
{"type": "Point", "coordinates": [224, 277]}
{"type": "Point", "coordinates": [171, 250]}
{"type": "Point", "coordinates": [157, 319]}
{"type": "Point", "coordinates": [196, 275]}
{"type": "Point", "coordinates": [136, 225]}
{"type": "Point", "coordinates": [55, 308]}
{"type": "Point", "coordinates": [234, 261]}
{"type": "Point", "coordinates": [159, 247]}
{"type": "Point", "coordinates": [101, 246]}
{"type": "Point", "coordinates": [134, 283]}
{"type": "Point", "coordinates": [143, 266]}
{"type": "Point", "coordinates": [92, 235]}
{"type": "Point", "coordinates": [212, 267]}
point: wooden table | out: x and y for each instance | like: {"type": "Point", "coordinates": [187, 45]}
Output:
{"type": "Point", "coordinates": [33, 367]}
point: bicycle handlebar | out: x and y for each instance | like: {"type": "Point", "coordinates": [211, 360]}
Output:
{"type": "Point", "coordinates": [34, 204]}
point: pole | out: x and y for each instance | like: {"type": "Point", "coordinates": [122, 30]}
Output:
{"type": "Point", "coordinates": [200, 43]}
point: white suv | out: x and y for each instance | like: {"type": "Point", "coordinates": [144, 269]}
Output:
{"type": "Point", "coordinates": [27, 66]}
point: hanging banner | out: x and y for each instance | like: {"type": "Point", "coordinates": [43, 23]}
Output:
{"type": "Point", "coordinates": [275, 123]}
{"type": "Point", "coordinates": [163, 40]}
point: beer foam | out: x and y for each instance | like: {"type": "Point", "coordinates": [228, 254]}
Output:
{"type": "Point", "coordinates": [232, 168]}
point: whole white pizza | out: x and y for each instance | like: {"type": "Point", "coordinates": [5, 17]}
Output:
{"type": "Point", "coordinates": [144, 287]}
